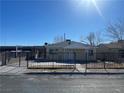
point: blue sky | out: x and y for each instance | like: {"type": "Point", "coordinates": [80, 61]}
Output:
{"type": "Point", "coordinates": [33, 22]}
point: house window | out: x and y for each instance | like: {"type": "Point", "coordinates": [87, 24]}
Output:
{"type": "Point", "coordinates": [53, 51]}
{"type": "Point", "coordinates": [90, 52]}
{"type": "Point", "coordinates": [121, 53]}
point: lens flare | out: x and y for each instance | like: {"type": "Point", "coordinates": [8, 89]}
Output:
{"type": "Point", "coordinates": [97, 8]}
{"type": "Point", "coordinates": [89, 4]}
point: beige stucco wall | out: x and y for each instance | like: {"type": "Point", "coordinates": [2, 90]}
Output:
{"type": "Point", "coordinates": [68, 54]}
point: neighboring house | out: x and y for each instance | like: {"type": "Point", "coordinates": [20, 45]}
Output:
{"type": "Point", "coordinates": [111, 52]}
{"type": "Point", "coordinates": [69, 51]}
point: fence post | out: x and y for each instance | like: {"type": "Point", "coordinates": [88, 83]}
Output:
{"type": "Point", "coordinates": [104, 61]}
{"type": "Point", "coordinates": [3, 58]}
{"type": "Point", "coordinates": [19, 59]}
{"type": "Point", "coordinates": [104, 65]}
{"type": "Point", "coordinates": [8, 59]}
{"type": "Point", "coordinates": [86, 62]}
{"type": "Point", "coordinates": [74, 59]}
{"type": "Point", "coordinates": [27, 59]}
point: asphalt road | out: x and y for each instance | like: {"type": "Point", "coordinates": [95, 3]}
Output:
{"type": "Point", "coordinates": [61, 84]}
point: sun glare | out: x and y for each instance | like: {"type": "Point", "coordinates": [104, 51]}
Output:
{"type": "Point", "coordinates": [89, 4]}
{"type": "Point", "coordinates": [97, 8]}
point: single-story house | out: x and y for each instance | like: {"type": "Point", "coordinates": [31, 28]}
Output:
{"type": "Point", "coordinates": [69, 51]}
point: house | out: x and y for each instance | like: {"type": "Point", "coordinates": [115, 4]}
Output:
{"type": "Point", "coordinates": [66, 51]}
{"type": "Point", "coordinates": [69, 51]}
{"type": "Point", "coordinates": [113, 51]}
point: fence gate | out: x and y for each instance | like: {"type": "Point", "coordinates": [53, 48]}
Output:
{"type": "Point", "coordinates": [10, 58]}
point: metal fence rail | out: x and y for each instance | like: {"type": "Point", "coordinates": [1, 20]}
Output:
{"type": "Point", "coordinates": [58, 60]}
{"type": "Point", "coordinates": [64, 60]}
{"type": "Point", "coordinates": [105, 65]}
{"type": "Point", "coordinates": [10, 59]}
{"type": "Point", "coordinates": [107, 61]}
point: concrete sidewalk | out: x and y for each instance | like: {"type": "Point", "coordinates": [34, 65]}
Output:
{"type": "Point", "coordinates": [105, 71]}
{"type": "Point", "coordinates": [5, 70]}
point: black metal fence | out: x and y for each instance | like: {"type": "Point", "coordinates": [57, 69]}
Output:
{"type": "Point", "coordinates": [71, 59]}
{"type": "Point", "coordinates": [60, 60]}
{"type": "Point", "coordinates": [13, 58]}
{"type": "Point", "coordinates": [63, 60]}
{"type": "Point", "coordinates": [107, 61]}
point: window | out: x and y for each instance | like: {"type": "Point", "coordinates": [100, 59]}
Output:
{"type": "Point", "coordinates": [53, 51]}
{"type": "Point", "coordinates": [90, 52]}
{"type": "Point", "coordinates": [121, 53]}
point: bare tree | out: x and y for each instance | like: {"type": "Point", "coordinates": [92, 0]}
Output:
{"type": "Point", "coordinates": [81, 38]}
{"type": "Point", "coordinates": [98, 38]}
{"type": "Point", "coordinates": [58, 39]}
{"type": "Point", "coordinates": [116, 31]}
{"type": "Point", "coordinates": [91, 38]}
{"type": "Point", "coordinates": [94, 38]}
